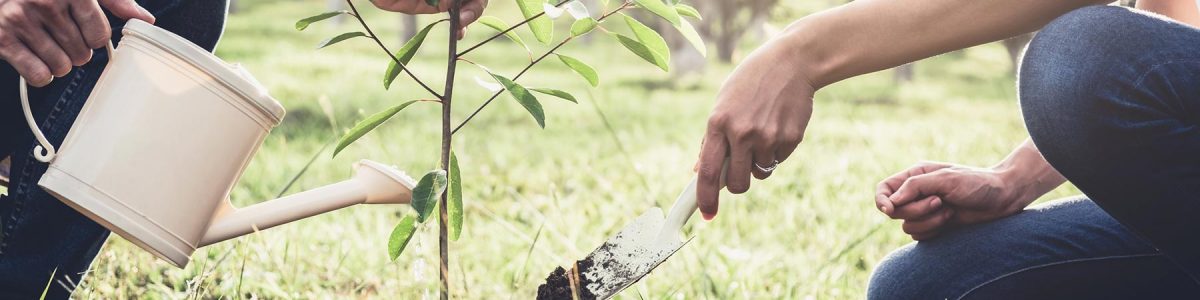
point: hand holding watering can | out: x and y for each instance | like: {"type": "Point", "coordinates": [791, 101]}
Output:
{"type": "Point", "coordinates": [167, 130]}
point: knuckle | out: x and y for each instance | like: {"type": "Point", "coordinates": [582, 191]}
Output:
{"type": "Point", "coordinates": [96, 38]}
{"type": "Point", "coordinates": [718, 121]}
{"type": "Point", "coordinates": [709, 173]}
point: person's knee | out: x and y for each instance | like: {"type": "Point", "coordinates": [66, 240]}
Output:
{"type": "Point", "coordinates": [1069, 73]}
{"type": "Point", "coordinates": [904, 274]}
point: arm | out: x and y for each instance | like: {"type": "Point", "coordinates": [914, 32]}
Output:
{"type": "Point", "coordinates": [931, 196]}
{"type": "Point", "coordinates": [871, 35]}
{"type": "Point", "coordinates": [764, 106]}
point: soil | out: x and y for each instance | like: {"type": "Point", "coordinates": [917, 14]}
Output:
{"type": "Point", "coordinates": [558, 284]}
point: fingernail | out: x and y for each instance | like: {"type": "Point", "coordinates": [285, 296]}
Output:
{"type": "Point", "coordinates": [707, 216]}
{"type": "Point", "coordinates": [883, 209]}
{"type": "Point", "coordinates": [936, 202]}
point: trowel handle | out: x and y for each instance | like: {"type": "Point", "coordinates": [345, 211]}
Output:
{"type": "Point", "coordinates": [685, 206]}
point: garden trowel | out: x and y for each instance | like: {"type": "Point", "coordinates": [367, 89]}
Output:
{"type": "Point", "coordinates": [634, 251]}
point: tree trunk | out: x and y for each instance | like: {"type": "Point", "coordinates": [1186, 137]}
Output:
{"type": "Point", "coordinates": [903, 73]}
{"type": "Point", "coordinates": [1016, 46]}
{"type": "Point", "coordinates": [333, 5]}
{"type": "Point", "coordinates": [409, 25]}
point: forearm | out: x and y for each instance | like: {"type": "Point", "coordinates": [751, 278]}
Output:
{"type": "Point", "coordinates": [1028, 174]}
{"type": "Point", "coordinates": [870, 35]}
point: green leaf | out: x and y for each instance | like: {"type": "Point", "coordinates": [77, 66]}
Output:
{"type": "Point", "coordinates": [455, 206]}
{"type": "Point", "coordinates": [650, 38]}
{"type": "Point", "coordinates": [400, 236]}
{"type": "Point", "coordinates": [433, 3]}
{"type": "Point", "coordinates": [543, 28]}
{"type": "Point", "coordinates": [556, 93]}
{"type": "Point", "coordinates": [425, 195]}
{"type": "Point", "coordinates": [583, 26]}
{"type": "Point", "coordinates": [501, 26]}
{"type": "Point", "coordinates": [688, 11]}
{"type": "Point", "coordinates": [339, 38]}
{"type": "Point", "coordinates": [368, 124]}
{"type": "Point", "coordinates": [661, 9]}
{"type": "Point", "coordinates": [523, 96]}
{"type": "Point", "coordinates": [303, 23]}
{"type": "Point", "coordinates": [581, 68]}
{"type": "Point", "coordinates": [693, 37]}
{"type": "Point", "coordinates": [405, 54]}
{"type": "Point", "coordinates": [642, 51]}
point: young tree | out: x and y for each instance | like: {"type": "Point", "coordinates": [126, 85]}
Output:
{"type": "Point", "coordinates": [442, 188]}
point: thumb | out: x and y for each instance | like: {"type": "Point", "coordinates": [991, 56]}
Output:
{"type": "Point", "coordinates": [919, 186]}
{"type": "Point", "coordinates": [127, 9]}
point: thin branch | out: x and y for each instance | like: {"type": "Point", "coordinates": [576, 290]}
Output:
{"type": "Point", "coordinates": [514, 27]}
{"type": "Point", "coordinates": [518, 76]}
{"type": "Point", "coordinates": [371, 34]}
{"type": "Point", "coordinates": [531, 64]}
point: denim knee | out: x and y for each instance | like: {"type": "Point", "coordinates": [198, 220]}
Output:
{"type": "Point", "coordinates": [899, 276]}
{"type": "Point", "coordinates": [1072, 74]}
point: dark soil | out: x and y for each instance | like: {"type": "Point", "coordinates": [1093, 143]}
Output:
{"type": "Point", "coordinates": [558, 284]}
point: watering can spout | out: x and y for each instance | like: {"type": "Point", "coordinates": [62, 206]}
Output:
{"type": "Point", "coordinates": [373, 183]}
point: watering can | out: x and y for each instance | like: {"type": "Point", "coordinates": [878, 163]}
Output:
{"type": "Point", "coordinates": [164, 136]}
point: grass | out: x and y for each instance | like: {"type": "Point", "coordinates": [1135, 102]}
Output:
{"type": "Point", "coordinates": [808, 232]}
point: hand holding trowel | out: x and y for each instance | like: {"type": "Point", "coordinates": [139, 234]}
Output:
{"type": "Point", "coordinates": [627, 256]}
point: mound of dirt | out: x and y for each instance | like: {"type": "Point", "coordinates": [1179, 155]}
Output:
{"type": "Point", "coordinates": [558, 284]}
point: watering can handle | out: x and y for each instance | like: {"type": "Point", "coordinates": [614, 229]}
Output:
{"type": "Point", "coordinates": [44, 151]}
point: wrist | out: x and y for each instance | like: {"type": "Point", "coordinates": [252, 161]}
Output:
{"type": "Point", "coordinates": [1019, 188]}
{"type": "Point", "coordinates": [800, 48]}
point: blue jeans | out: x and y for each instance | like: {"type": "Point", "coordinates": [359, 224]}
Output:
{"type": "Point", "coordinates": [1111, 97]}
{"type": "Point", "coordinates": [38, 233]}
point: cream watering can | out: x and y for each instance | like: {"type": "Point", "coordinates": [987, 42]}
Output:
{"type": "Point", "coordinates": [162, 139]}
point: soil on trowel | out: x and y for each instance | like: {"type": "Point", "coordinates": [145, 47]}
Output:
{"type": "Point", "coordinates": [558, 284]}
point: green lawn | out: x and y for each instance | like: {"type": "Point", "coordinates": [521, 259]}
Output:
{"type": "Point", "coordinates": [808, 232]}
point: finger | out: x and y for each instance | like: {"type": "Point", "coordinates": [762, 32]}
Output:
{"type": "Point", "coordinates": [68, 37]}
{"type": "Point", "coordinates": [785, 149]}
{"type": "Point", "coordinates": [928, 224]}
{"type": "Point", "coordinates": [470, 12]}
{"type": "Point", "coordinates": [918, 209]}
{"type": "Point", "coordinates": [884, 190]}
{"type": "Point", "coordinates": [92, 23]}
{"type": "Point", "coordinates": [737, 178]}
{"type": "Point", "coordinates": [936, 183]}
{"type": "Point", "coordinates": [708, 188]}
{"type": "Point", "coordinates": [764, 156]}
{"type": "Point", "coordinates": [127, 9]}
{"type": "Point", "coordinates": [27, 64]}
{"type": "Point", "coordinates": [48, 51]}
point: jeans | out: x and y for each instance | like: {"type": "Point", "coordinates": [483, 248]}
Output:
{"type": "Point", "coordinates": [1111, 97]}
{"type": "Point", "coordinates": [38, 233]}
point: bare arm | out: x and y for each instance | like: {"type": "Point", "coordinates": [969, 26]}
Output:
{"type": "Point", "coordinates": [871, 35]}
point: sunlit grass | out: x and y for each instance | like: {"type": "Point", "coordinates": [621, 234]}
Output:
{"type": "Point", "coordinates": [786, 238]}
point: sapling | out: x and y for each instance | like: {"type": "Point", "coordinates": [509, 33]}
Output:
{"type": "Point", "coordinates": [442, 188]}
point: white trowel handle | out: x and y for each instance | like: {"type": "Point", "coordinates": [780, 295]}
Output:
{"type": "Point", "coordinates": [686, 205]}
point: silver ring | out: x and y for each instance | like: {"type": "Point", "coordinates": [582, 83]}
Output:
{"type": "Point", "coordinates": [767, 169]}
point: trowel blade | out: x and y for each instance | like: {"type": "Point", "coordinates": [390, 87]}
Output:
{"type": "Point", "coordinates": [629, 255]}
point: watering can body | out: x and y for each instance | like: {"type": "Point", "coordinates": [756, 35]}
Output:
{"type": "Point", "coordinates": [164, 136]}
